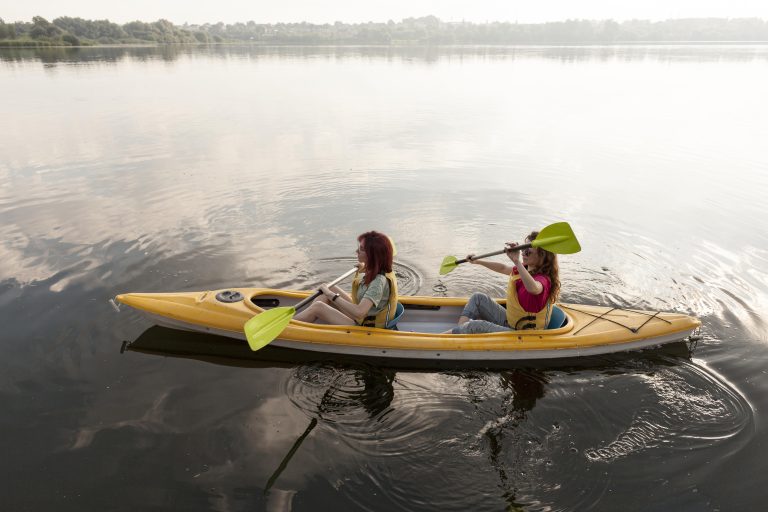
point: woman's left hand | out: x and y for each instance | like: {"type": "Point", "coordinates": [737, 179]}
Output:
{"type": "Point", "coordinates": [326, 291]}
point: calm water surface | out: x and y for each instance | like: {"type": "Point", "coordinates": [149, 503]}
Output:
{"type": "Point", "coordinates": [201, 168]}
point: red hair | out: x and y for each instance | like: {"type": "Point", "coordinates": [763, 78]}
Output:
{"type": "Point", "coordinates": [378, 254]}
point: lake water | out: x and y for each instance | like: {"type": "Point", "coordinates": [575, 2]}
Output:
{"type": "Point", "coordinates": [184, 169]}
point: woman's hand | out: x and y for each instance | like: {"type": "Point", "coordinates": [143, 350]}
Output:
{"type": "Point", "coordinates": [326, 291]}
{"type": "Point", "coordinates": [471, 258]}
{"type": "Point", "coordinates": [512, 253]}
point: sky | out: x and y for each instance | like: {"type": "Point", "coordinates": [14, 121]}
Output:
{"type": "Point", "coordinates": [356, 11]}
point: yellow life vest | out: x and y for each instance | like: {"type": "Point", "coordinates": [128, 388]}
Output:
{"type": "Point", "coordinates": [517, 317]}
{"type": "Point", "coordinates": [385, 315]}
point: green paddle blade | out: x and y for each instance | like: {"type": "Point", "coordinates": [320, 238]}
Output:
{"type": "Point", "coordinates": [265, 327]}
{"type": "Point", "coordinates": [557, 238]}
{"type": "Point", "coordinates": [448, 264]}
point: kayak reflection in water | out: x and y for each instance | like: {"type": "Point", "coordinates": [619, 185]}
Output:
{"type": "Point", "coordinates": [534, 285]}
{"type": "Point", "coordinates": [374, 293]}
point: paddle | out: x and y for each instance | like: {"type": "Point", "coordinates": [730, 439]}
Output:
{"type": "Point", "coordinates": [557, 238]}
{"type": "Point", "coordinates": [266, 326]}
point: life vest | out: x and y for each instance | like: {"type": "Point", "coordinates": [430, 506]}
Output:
{"type": "Point", "coordinates": [517, 317]}
{"type": "Point", "coordinates": [385, 315]}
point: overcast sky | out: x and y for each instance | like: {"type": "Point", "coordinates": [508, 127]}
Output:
{"type": "Point", "coordinates": [355, 11]}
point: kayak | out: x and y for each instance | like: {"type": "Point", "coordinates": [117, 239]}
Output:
{"type": "Point", "coordinates": [587, 330]}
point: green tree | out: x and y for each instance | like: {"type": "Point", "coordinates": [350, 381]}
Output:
{"type": "Point", "coordinates": [42, 28]}
{"type": "Point", "coordinates": [72, 40]}
{"type": "Point", "coordinates": [37, 32]}
{"type": "Point", "coordinates": [41, 22]}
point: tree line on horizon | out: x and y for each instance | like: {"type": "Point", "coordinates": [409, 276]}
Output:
{"type": "Point", "coordinates": [66, 31]}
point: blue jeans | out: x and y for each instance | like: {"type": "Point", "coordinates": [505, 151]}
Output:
{"type": "Point", "coordinates": [485, 315]}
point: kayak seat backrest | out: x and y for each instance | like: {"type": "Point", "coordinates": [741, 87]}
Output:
{"type": "Point", "coordinates": [392, 324]}
{"type": "Point", "coordinates": [557, 318]}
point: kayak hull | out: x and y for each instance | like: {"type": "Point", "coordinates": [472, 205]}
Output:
{"type": "Point", "coordinates": [589, 331]}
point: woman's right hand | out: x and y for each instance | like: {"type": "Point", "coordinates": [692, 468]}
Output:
{"type": "Point", "coordinates": [512, 253]}
{"type": "Point", "coordinates": [471, 258]}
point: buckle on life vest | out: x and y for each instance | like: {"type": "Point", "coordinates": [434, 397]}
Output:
{"type": "Point", "coordinates": [525, 326]}
{"type": "Point", "coordinates": [369, 321]}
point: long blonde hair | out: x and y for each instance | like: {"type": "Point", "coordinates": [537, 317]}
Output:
{"type": "Point", "coordinates": [549, 267]}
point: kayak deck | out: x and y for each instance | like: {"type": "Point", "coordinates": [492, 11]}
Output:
{"type": "Point", "coordinates": [590, 330]}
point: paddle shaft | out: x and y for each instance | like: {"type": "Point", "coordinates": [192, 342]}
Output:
{"type": "Point", "coordinates": [318, 293]}
{"type": "Point", "coordinates": [494, 253]}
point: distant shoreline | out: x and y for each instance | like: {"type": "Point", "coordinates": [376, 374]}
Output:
{"type": "Point", "coordinates": [392, 45]}
{"type": "Point", "coordinates": [424, 31]}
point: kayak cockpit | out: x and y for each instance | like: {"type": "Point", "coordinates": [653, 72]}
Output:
{"type": "Point", "coordinates": [421, 314]}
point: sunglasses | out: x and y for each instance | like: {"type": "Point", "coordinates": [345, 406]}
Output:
{"type": "Point", "coordinates": [527, 252]}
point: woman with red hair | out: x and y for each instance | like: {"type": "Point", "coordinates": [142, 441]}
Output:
{"type": "Point", "coordinates": [373, 300]}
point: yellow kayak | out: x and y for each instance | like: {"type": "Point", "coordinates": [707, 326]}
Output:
{"type": "Point", "coordinates": [587, 330]}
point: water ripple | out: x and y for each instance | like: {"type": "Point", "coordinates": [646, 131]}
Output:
{"type": "Point", "coordinates": [416, 434]}
{"type": "Point", "coordinates": [460, 284]}
{"type": "Point", "coordinates": [687, 408]}
{"type": "Point", "coordinates": [368, 408]}
{"type": "Point", "coordinates": [408, 277]}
